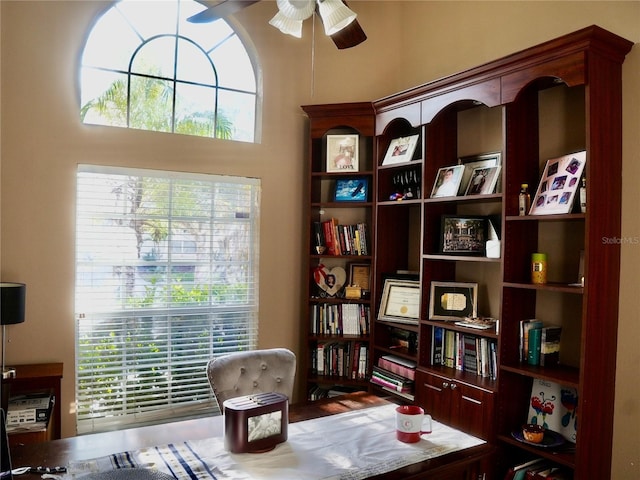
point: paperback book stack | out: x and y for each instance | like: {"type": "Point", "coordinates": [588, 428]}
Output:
{"type": "Point", "coordinates": [395, 374]}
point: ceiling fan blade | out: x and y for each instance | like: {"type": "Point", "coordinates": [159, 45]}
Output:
{"type": "Point", "coordinates": [221, 9]}
{"type": "Point", "coordinates": [349, 36]}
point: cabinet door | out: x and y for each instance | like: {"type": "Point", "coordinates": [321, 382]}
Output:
{"type": "Point", "coordinates": [472, 410]}
{"type": "Point", "coordinates": [433, 393]}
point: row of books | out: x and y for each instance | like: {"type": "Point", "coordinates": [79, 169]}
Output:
{"type": "Point", "coordinates": [340, 319]}
{"type": "Point", "coordinates": [341, 239]}
{"type": "Point", "coordinates": [539, 344]}
{"type": "Point", "coordinates": [341, 359]}
{"type": "Point", "coordinates": [465, 352]}
{"type": "Point", "coordinates": [537, 469]}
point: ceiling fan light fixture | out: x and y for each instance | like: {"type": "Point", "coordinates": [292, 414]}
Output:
{"type": "Point", "coordinates": [296, 9]}
{"type": "Point", "coordinates": [335, 15]}
{"type": "Point", "coordinates": [287, 25]}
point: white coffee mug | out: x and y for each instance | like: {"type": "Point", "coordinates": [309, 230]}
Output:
{"type": "Point", "coordinates": [409, 423]}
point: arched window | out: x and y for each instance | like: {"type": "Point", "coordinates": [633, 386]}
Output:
{"type": "Point", "coordinates": [145, 66]}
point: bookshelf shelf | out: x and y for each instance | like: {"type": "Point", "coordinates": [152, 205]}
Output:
{"type": "Point", "coordinates": [563, 456]}
{"type": "Point", "coordinates": [549, 287]}
{"type": "Point", "coordinates": [568, 376]}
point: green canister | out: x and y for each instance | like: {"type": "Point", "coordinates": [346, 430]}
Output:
{"type": "Point", "coordinates": [539, 268]}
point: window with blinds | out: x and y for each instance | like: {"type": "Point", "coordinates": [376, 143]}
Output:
{"type": "Point", "coordinates": [166, 279]}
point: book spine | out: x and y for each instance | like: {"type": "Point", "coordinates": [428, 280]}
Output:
{"type": "Point", "coordinates": [397, 369]}
{"type": "Point", "coordinates": [533, 354]}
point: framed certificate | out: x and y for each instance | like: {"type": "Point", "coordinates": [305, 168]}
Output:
{"type": "Point", "coordinates": [453, 301]}
{"type": "Point", "coordinates": [400, 301]}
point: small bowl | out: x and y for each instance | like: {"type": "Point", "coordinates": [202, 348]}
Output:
{"type": "Point", "coordinates": [533, 433]}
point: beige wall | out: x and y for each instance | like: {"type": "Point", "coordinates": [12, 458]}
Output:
{"type": "Point", "coordinates": [409, 43]}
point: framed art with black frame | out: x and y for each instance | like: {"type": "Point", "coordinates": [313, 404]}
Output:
{"type": "Point", "coordinates": [453, 300]}
{"type": "Point", "coordinates": [351, 190]}
{"type": "Point", "coordinates": [463, 235]}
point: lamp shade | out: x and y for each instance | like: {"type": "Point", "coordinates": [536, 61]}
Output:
{"type": "Point", "coordinates": [287, 25]}
{"type": "Point", "coordinates": [12, 301]}
{"type": "Point", "coordinates": [296, 9]}
{"type": "Point", "coordinates": [335, 15]}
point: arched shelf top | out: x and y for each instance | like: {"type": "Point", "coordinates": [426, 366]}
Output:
{"type": "Point", "coordinates": [398, 127]}
{"type": "Point", "coordinates": [499, 82]}
{"type": "Point", "coordinates": [485, 93]}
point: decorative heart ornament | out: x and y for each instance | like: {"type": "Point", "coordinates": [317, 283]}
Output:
{"type": "Point", "coordinates": [330, 281]}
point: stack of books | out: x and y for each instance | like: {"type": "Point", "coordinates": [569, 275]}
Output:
{"type": "Point", "coordinates": [395, 374]}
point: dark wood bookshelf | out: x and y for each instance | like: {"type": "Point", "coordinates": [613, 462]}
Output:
{"type": "Point", "coordinates": [579, 74]}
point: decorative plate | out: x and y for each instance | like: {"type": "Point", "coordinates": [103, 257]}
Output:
{"type": "Point", "coordinates": [551, 439]}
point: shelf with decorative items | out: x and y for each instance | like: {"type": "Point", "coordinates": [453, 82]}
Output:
{"type": "Point", "coordinates": [548, 117]}
{"type": "Point", "coordinates": [399, 172]}
{"type": "Point", "coordinates": [340, 236]}
{"type": "Point", "coordinates": [552, 116]}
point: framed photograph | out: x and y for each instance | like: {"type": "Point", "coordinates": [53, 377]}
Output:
{"type": "Point", "coordinates": [463, 235]}
{"type": "Point", "coordinates": [453, 300]}
{"type": "Point", "coordinates": [558, 184]}
{"type": "Point", "coordinates": [483, 180]}
{"type": "Point", "coordinates": [472, 162]}
{"type": "Point", "coordinates": [351, 190]}
{"type": "Point", "coordinates": [400, 301]}
{"type": "Point", "coordinates": [401, 150]}
{"type": "Point", "coordinates": [447, 181]}
{"type": "Point", "coordinates": [342, 153]}
{"type": "Point", "coordinates": [360, 276]}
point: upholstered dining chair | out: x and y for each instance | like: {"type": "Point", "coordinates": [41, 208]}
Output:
{"type": "Point", "coordinates": [255, 371]}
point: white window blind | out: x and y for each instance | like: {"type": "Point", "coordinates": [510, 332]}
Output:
{"type": "Point", "coordinates": [166, 279]}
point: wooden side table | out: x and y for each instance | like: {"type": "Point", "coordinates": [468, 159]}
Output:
{"type": "Point", "coordinates": [30, 379]}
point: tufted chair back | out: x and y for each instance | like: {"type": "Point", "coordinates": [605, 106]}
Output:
{"type": "Point", "coordinates": [255, 371]}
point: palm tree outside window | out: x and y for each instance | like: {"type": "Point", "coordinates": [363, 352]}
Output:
{"type": "Point", "coordinates": [144, 66]}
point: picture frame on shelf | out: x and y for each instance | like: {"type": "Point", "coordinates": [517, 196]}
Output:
{"type": "Point", "coordinates": [463, 235]}
{"type": "Point", "coordinates": [351, 190]}
{"type": "Point", "coordinates": [484, 160]}
{"type": "Point", "coordinates": [360, 276]}
{"type": "Point", "coordinates": [453, 301]}
{"type": "Point", "coordinates": [342, 153]}
{"type": "Point", "coordinates": [558, 185]}
{"type": "Point", "coordinates": [447, 182]}
{"type": "Point", "coordinates": [401, 150]}
{"type": "Point", "coordinates": [400, 301]}
{"type": "Point", "coordinates": [483, 180]}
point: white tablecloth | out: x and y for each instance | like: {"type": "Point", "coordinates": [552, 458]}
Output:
{"type": "Point", "coordinates": [352, 445]}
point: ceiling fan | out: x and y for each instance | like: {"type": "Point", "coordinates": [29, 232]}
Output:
{"type": "Point", "coordinates": [338, 19]}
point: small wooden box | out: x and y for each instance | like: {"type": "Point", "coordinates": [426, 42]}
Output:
{"type": "Point", "coordinates": [255, 423]}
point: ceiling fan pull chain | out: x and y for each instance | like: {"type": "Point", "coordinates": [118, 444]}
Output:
{"type": "Point", "coordinates": [313, 53]}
